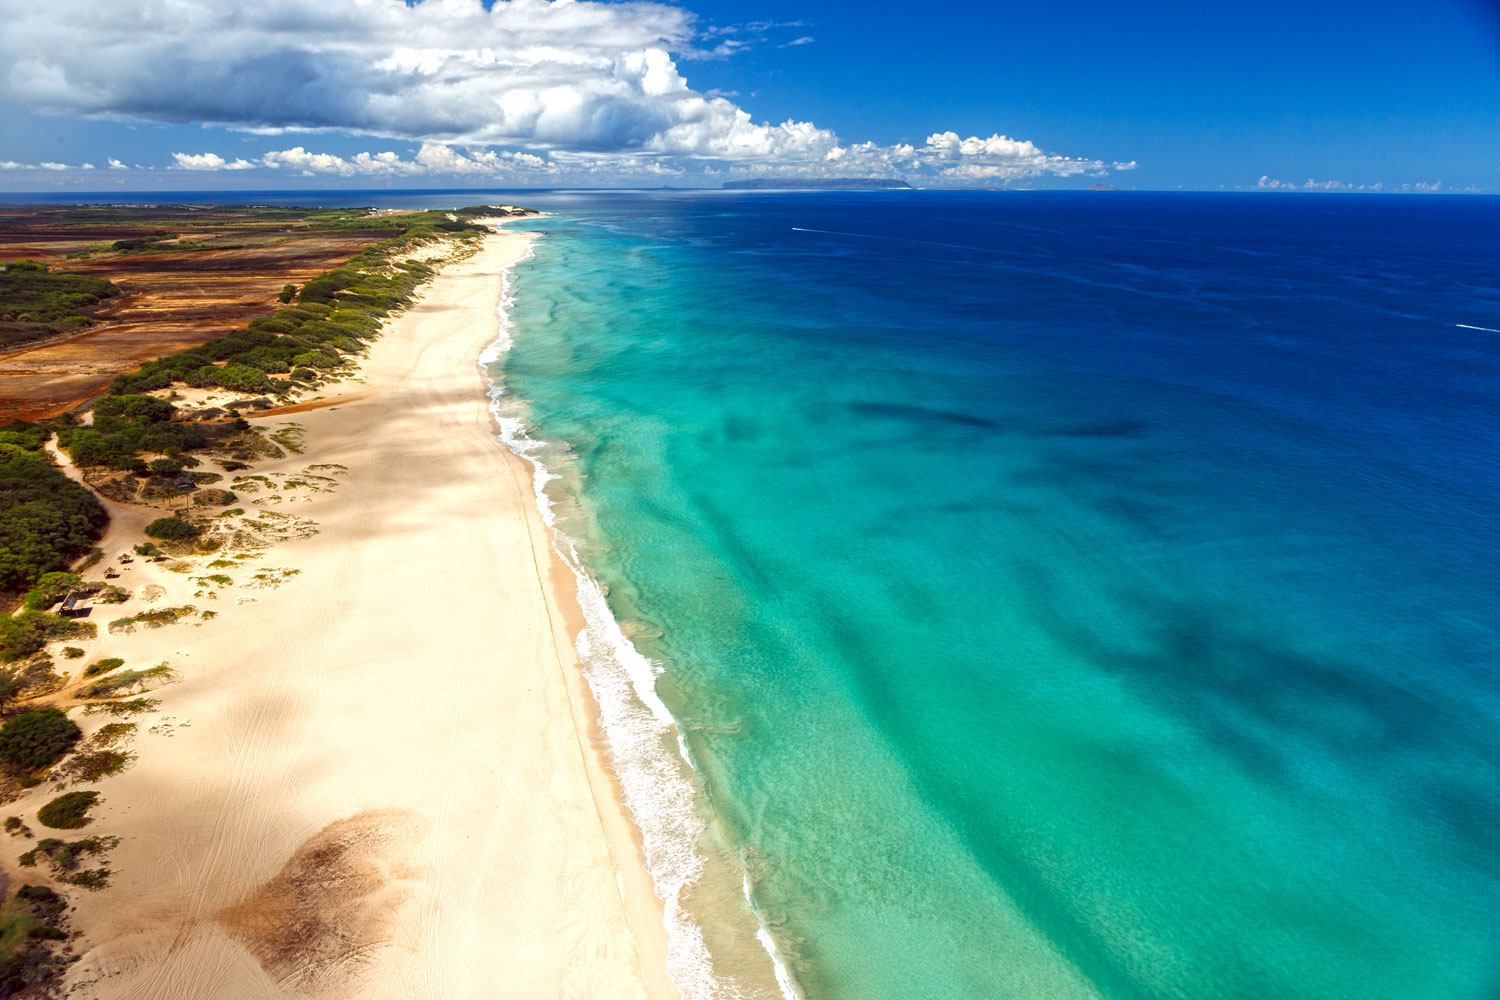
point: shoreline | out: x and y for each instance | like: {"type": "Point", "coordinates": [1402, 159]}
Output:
{"type": "Point", "coordinates": [410, 702]}
{"type": "Point", "coordinates": [641, 754]}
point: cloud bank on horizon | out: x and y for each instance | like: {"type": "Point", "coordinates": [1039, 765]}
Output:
{"type": "Point", "coordinates": [525, 91]}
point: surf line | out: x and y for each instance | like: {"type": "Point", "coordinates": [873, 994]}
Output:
{"type": "Point", "coordinates": [1486, 329]}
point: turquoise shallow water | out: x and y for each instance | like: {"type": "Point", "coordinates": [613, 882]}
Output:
{"type": "Point", "coordinates": [1058, 596]}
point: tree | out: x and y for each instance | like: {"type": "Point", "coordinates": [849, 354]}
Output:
{"type": "Point", "coordinates": [34, 740]}
{"type": "Point", "coordinates": [51, 588]}
{"type": "Point", "coordinates": [173, 529]}
{"type": "Point", "coordinates": [46, 519]}
{"type": "Point", "coordinates": [287, 291]}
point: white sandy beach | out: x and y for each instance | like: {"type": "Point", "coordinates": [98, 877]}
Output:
{"type": "Point", "coordinates": [377, 780]}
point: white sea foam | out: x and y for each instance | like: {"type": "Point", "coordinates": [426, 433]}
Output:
{"type": "Point", "coordinates": [1486, 329]}
{"type": "Point", "coordinates": [649, 756]}
{"type": "Point", "coordinates": [789, 990]}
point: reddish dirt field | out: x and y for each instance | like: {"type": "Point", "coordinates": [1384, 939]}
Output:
{"type": "Point", "coordinates": [172, 300]}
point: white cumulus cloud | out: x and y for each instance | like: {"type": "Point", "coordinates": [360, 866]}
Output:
{"type": "Point", "coordinates": [208, 161]}
{"type": "Point", "coordinates": [1268, 183]}
{"type": "Point", "coordinates": [587, 86]}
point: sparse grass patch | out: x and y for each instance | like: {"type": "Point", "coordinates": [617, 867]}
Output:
{"type": "Point", "coordinates": [68, 811]}
{"type": "Point", "coordinates": [105, 665]}
{"type": "Point", "coordinates": [31, 678]}
{"type": "Point", "coordinates": [63, 858]}
{"type": "Point", "coordinates": [118, 709]}
{"type": "Point", "coordinates": [128, 682]}
{"type": "Point", "coordinates": [273, 577]}
{"type": "Point", "coordinates": [157, 617]}
{"type": "Point", "coordinates": [291, 434]}
{"type": "Point", "coordinates": [16, 828]}
{"type": "Point", "coordinates": [92, 879]}
{"type": "Point", "coordinates": [99, 756]}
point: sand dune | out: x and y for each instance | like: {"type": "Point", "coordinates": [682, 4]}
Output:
{"type": "Point", "coordinates": [377, 780]}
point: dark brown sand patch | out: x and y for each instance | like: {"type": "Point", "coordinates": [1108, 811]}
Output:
{"type": "Point", "coordinates": [321, 918]}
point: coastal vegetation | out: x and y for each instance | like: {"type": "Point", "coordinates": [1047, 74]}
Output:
{"type": "Point", "coordinates": [37, 739]}
{"type": "Point", "coordinates": [119, 709]}
{"type": "Point", "coordinates": [334, 315]}
{"type": "Point", "coordinates": [68, 811]}
{"type": "Point", "coordinates": [50, 588]}
{"type": "Point", "coordinates": [126, 425]}
{"type": "Point", "coordinates": [46, 519]}
{"type": "Point", "coordinates": [103, 666]}
{"type": "Point", "coordinates": [136, 446]}
{"type": "Point", "coordinates": [25, 634]}
{"type": "Point", "coordinates": [173, 529]}
{"type": "Point", "coordinates": [125, 682]}
{"type": "Point", "coordinates": [37, 302]}
{"type": "Point", "coordinates": [64, 857]}
{"type": "Point", "coordinates": [312, 337]}
{"type": "Point", "coordinates": [30, 921]}
{"type": "Point", "coordinates": [98, 756]}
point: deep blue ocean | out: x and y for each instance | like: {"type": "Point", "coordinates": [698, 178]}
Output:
{"type": "Point", "coordinates": [1057, 595]}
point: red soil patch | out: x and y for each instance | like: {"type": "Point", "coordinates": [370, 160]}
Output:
{"type": "Point", "coordinates": [172, 300]}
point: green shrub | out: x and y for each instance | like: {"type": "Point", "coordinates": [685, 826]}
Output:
{"type": "Point", "coordinates": [173, 529]}
{"type": "Point", "coordinates": [28, 632]}
{"type": "Point", "coordinates": [146, 409]}
{"type": "Point", "coordinates": [34, 740]}
{"type": "Point", "coordinates": [68, 811]}
{"type": "Point", "coordinates": [287, 292]}
{"type": "Point", "coordinates": [243, 378]}
{"type": "Point", "coordinates": [103, 666]}
{"type": "Point", "coordinates": [72, 653]}
{"type": "Point", "coordinates": [34, 893]}
{"type": "Point", "coordinates": [147, 549]}
{"type": "Point", "coordinates": [317, 359]}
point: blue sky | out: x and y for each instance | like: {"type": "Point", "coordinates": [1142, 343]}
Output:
{"type": "Point", "coordinates": [1146, 95]}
